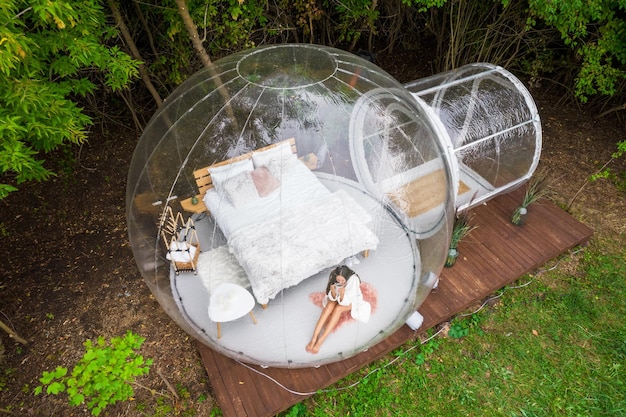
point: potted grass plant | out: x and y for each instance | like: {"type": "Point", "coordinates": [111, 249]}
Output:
{"type": "Point", "coordinates": [538, 187]}
{"type": "Point", "coordinates": [460, 229]}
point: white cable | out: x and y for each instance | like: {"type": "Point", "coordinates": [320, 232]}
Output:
{"type": "Point", "coordinates": [341, 388]}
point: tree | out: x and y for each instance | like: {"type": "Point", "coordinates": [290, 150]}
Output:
{"type": "Point", "coordinates": [51, 54]}
{"type": "Point", "coordinates": [596, 31]}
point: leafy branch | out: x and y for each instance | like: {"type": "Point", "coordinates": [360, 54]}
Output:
{"type": "Point", "coordinates": [49, 55]}
{"type": "Point", "coordinates": [103, 376]}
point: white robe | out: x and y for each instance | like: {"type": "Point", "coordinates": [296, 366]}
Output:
{"type": "Point", "coordinates": [361, 309]}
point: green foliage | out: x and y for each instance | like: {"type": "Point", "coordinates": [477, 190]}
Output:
{"type": "Point", "coordinates": [228, 25]}
{"type": "Point", "coordinates": [618, 178]}
{"type": "Point", "coordinates": [298, 410]}
{"type": "Point", "coordinates": [49, 54]}
{"type": "Point", "coordinates": [103, 376]}
{"type": "Point", "coordinates": [539, 186]}
{"type": "Point", "coordinates": [234, 22]}
{"type": "Point", "coordinates": [457, 331]}
{"type": "Point", "coordinates": [424, 5]}
{"type": "Point", "coordinates": [225, 27]}
{"type": "Point", "coordinates": [355, 17]}
{"type": "Point", "coordinates": [596, 32]}
{"type": "Point", "coordinates": [306, 15]}
{"type": "Point", "coordinates": [461, 228]}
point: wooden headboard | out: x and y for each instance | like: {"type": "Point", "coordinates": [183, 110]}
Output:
{"type": "Point", "coordinates": [205, 183]}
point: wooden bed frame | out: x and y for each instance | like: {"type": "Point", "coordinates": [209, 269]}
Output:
{"type": "Point", "coordinates": [204, 182]}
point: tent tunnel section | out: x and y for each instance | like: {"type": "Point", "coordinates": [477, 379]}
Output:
{"type": "Point", "coordinates": [493, 125]}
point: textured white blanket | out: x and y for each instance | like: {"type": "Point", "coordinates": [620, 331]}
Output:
{"type": "Point", "coordinates": [218, 266]}
{"type": "Point", "coordinates": [301, 241]}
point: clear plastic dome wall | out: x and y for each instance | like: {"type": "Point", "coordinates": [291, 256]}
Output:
{"type": "Point", "coordinates": [366, 181]}
{"type": "Point", "coordinates": [493, 124]}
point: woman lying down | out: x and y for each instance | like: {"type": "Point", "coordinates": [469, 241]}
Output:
{"type": "Point", "coordinates": [343, 293]}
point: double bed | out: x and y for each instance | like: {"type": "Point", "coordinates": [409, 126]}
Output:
{"type": "Point", "coordinates": [280, 222]}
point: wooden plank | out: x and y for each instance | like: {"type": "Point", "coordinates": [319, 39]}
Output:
{"type": "Point", "coordinates": [495, 255]}
{"type": "Point", "coordinates": [535, 235]}
{"type": "Point", "coordinates": [508, 241]}
{"type": "Point", "coordinates": [423, 193]}
{"type": "Point", "coordinates": [188, 204]}
{"type": "Point", "coordinates": [540, 213]}
{"type": "Point", "coordinates": [268, 390]}
{"type": "Point", "coordinates": [218, 373]}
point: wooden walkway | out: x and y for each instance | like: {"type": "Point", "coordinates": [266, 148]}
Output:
{"type": "Point", "coordinates": [496, 254]}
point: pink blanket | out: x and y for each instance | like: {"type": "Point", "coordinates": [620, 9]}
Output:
{"type": "Point", "coordinates": [369, 295]}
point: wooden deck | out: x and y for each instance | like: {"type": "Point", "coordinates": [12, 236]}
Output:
{"type": "Point", "coordinates": [496, 254]}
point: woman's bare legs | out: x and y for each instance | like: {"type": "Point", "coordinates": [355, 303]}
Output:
{"type": "Point", "coordinates": [321, 322]}
{"type": "Point", "coordinates": [331, 318]}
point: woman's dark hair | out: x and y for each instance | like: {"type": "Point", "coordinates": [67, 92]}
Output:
{"type": "Point", "coordinates": [342, 270]}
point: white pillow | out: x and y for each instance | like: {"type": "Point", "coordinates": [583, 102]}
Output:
{"type": "Point", "coordinates": [282, 150]}
{"type": "Point", "coordinates": [240, 189]}
{"type": "Point", "coordinates": [182, 255]}
{"type": "Point", "coordinates": [178, 245]}
{"type": "Point", "coordinates": [222, 173]}
{"type": "Point", "coordinates": [264, 182]}
{"type": "Point", "coordinates": [280, 167]}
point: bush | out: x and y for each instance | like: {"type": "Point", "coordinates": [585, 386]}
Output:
{"type": "Point", "coordinates": [104, 376]}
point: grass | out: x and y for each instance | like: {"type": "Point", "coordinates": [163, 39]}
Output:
{"type": "Point", "coordinates": [553, 347]}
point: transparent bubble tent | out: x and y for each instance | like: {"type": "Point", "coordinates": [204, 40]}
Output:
{"type": "Point", "coordinates": [260, 175]}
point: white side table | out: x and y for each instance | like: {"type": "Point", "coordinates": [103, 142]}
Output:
{"type": "Point", "coordinates": [230, 302]}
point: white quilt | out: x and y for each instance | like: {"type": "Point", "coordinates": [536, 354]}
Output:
{"type": "Point", "coordinates": [300, 241]}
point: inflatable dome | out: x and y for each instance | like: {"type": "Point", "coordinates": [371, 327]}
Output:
{"type": "Point", "coordinates": [262, 174]}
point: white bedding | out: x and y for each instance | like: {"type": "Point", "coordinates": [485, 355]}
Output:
{"type": "Point", "coordinates": [292, 234]}
{"type": "Point", "coordinates": [305, 239]}
{"type": "Point", "coordinates": [298, 184]}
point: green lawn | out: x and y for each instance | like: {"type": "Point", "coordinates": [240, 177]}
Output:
{"type": "Point", "coordinates": [552, 344]}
